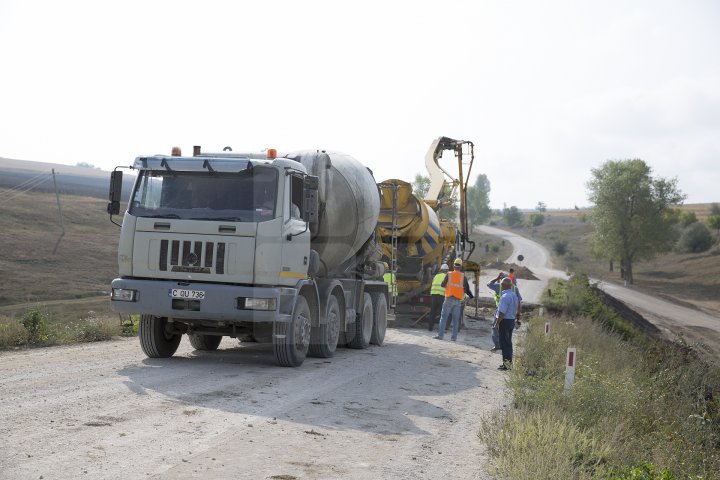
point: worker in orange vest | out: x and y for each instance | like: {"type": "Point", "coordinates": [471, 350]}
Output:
{"type": "Point", "coordinates": [456, 287]}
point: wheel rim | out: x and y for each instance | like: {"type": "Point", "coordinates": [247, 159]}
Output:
{"type": "Point", "coordinates": [302, 332]}
{"type": "Point", "coordinates": [368, 322]}
{"type": "Point", "coordinates": [333, 330]}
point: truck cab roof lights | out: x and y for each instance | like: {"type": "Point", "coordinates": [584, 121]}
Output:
{"type": "Point", "coordinates": [271, 153]}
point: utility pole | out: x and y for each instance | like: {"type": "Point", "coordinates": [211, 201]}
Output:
{"type": "Point", "coordinates": [62, 222]}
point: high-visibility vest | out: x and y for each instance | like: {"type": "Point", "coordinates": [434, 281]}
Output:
{"type": "Point", "coordinates": [455, 286]}
{"type": "Point", "coordinates": [437, 288]}
{"type": "Point", "coordinates": [389, 278]}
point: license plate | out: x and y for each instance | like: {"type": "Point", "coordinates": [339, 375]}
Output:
{"type": "Point", "coordinates": [189, 294]}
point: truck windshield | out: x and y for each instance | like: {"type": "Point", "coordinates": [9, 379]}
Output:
{"type": "Point", "coordinates": [247, 196]}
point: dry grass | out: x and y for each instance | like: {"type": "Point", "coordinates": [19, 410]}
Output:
{"type": "Point", "coordinates": [71, 285]}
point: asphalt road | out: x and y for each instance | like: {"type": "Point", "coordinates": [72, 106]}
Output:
{"type": "Point", "coordinates": [676, 321]}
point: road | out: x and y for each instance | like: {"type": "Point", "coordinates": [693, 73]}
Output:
{"type": "Point", "coordinates": [535, 257]}
{"type": "Point", "coordinates": [676, 321]}
{"type": "Point", "coordinates": [408, 409]}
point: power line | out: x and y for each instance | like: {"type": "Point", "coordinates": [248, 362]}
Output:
{"type": "Point", "coordinates": [29, 187]}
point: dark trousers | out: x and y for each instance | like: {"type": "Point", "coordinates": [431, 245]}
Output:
{"type": "Point", "coordinates": [436, 303]}
{"type": "Point", "coordinates": [506, 329]}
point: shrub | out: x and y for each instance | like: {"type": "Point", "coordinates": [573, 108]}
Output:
{"type": "Point", "coordinates": [12, 333]}
{"type": "Point", "coordinates": [688, 218]}
{"type": "Point", "coordinates": [35, 322]}
{"type": "Point", "coordinates": [695, 238]}
{"type": "Point", "coordinates": [560, 247]}
{"type": "Point", "coordinates": [535, 219]}
{"type": "Point", "coordinates": [93, 329]}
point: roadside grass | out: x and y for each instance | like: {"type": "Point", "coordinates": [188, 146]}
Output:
{"type": "Point", "coordinates": [638, 409]}
{"type": "Point", "coordinates": [38, 327]}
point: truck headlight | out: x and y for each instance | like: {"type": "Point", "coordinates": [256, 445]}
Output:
{"type": "Point", "coordinates": [257, 303]}
{"type": "Point", "coordinates": [123, 295]}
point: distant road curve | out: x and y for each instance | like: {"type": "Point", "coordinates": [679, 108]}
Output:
{"type": "Point", "coordinates": [666, 315]}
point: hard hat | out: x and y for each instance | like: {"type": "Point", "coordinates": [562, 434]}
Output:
{"type": "Point", "coordinates": [457, 262]}
{"type": "Point", "coordinates": [444, 266]}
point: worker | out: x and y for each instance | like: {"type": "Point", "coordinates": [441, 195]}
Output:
{"type": "Point", "coordinates": [389, 278]}
{"type": "Point", "coordinates": [437, 295]}
{"type": "Point", "coordinates": [456, 287]}
{"type": "Point", "coordinates": [508, 311]}
{"type": "Point", "coordinates": [494, 285]}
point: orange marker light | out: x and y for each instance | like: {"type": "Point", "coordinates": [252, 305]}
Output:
{"type": "Point", "coordinates": [271, 153]}
{"type": "Point", "coordinates": [176, 152]}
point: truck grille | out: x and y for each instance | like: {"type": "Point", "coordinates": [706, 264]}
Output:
{"type": "Point", "coordinates": [189, 256]}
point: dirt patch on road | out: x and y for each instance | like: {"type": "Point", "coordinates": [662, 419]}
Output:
{"type": "Point", "coordinates": [521, 272]}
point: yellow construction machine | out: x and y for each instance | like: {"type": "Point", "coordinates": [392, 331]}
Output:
{"type": "Point", "coordinates": [415, 241]}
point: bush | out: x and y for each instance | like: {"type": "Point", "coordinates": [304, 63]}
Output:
{"type": "Point", "coordinates": [560, 247]}
{"type": "Point", "coordinates": [12, 333]}
{"type": "Point", "coordinates": [695, 238]}
{"type": "Point", "coordinates": [92, 329]}
{"type": "Point", "coordinates": [35, 322]}
{"type": "Point", "coordinates": [688, 218]}
{"type": "Point", "coordinates": [535, 219]}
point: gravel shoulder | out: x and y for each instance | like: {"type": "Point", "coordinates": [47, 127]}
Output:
{"type": "Point", "coordinates": [408, 409]}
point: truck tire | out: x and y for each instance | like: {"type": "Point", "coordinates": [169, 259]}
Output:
{"type": "Point", "coordinates": [155, 340]}
{"type": "Point", "coordinates": [324, 338]}
{"type": "Point", "coordinates": [291, 340]}
{"type": "Point", "coordinates": [200, 341]}
{"type": "Point", "coordinates": [379, 319]}
{"type": "Point", "coordinates": [363, 325]}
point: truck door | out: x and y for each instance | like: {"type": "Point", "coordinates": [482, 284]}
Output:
{"type": "Point", "coordinates": [296, 234]}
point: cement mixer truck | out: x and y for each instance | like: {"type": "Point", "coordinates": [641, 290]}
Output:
{"type": "Point", "coordinates": [278, 249]}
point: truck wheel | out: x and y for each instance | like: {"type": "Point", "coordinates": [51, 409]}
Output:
{"type": "Point", "coordinates": [379, 319]}
{"type": "Point", "coordinates": [155, 339]}
{"type": "Point", "coordinates": [291, 340]}
{"type": "Point", "coordinates": [363, 325]}
{"type": "Point", "coordinates": [324, 338]}
{"type": "Point", "coordinates": [204, 342]}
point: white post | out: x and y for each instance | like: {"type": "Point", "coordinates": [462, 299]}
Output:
{"type": "Point", "coordinates": [570, 361]}
{"type": "Point", "coordinates": [541, 312]}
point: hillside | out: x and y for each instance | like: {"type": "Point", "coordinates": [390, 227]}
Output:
{"type": "Point", "coordinates": [81, 268]}
{"type": "Point", "coordinates": [70, 179]}
{"type": "Point", "coordinates": [691, 280]}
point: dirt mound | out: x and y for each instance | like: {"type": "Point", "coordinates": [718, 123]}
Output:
{"type": "Point", "coordinates": [522, 273]}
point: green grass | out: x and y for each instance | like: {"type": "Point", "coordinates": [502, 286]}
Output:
{"type": "Point", "coordinates": [638, 408]}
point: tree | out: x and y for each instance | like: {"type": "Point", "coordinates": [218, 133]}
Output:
{"type": "Point", "coordinates": [513, 216]}
{"type": "Point", "coordinates": [478, 202]}
{"type": "Point", "coordinates": [541, 207]}
{"type": "Point", "coordinates": [715, 209]}
{"type": "Point", "coordinates": [695, 238]}
{"type": "Point", "coordinates": [630, 214]}
{"type": "Point", "coordinates": [421, 185]}
{"type": "Point", "coordinates": [713, 221]}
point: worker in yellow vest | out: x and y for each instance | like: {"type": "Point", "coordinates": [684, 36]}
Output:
{"type": "Point", "coordinates": [456, 287]}
{"type": "Point", "coordinates": [437, 296]}
{"type": "Point", "coordinates": [389, 278]}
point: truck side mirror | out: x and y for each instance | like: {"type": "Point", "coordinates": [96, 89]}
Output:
{"type": "Point", "coordinates": [310, 212]}
{"type": "Point", "coordinates": [113, 207]}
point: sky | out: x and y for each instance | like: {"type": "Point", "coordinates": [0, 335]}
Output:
{"type": "Point", "coordinates": [546, 90]}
